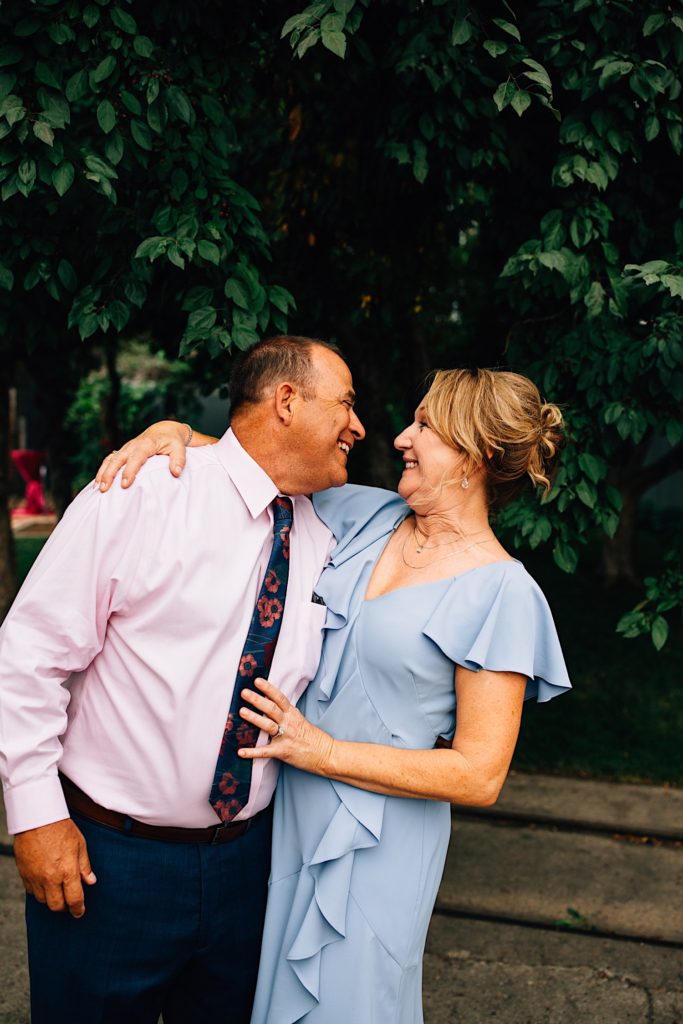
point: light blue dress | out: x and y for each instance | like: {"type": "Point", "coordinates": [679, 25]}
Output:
{"type": "Point", "coordinates": [355, 874]}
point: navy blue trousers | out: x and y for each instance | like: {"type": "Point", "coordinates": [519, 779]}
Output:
{"type": "Point", "coordinates": [169, 928]}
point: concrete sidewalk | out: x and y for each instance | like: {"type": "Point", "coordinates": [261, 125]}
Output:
{"type": "Point", "coordinates": [552, 850]}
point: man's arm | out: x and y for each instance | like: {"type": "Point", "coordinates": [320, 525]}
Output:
{"type": "Point", "coordinates": [56, 627]}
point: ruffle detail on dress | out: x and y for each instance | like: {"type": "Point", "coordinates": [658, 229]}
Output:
{"type": "Point", "coordinates": [358, 516]}
{"type": "Point", "coordinates": [355, 825]}
{"type": "Point", "coordinates": [503, 624]}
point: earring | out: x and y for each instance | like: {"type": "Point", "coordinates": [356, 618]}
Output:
{"type": "Point", "coordinates": [465, 483]}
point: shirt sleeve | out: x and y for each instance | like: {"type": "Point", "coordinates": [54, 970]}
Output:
{"type": "Point", "coordinates": [55, 628]}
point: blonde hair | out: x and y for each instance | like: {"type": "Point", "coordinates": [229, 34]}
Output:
{"type": "Point", "coordinates": [498, 420]}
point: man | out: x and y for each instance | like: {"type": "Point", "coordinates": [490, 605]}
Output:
{"type": "Point", "coordinates": [119, 661]}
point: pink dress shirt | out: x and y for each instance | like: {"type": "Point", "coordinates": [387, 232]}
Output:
{"type": "Point", "coordinates": [119, 655]}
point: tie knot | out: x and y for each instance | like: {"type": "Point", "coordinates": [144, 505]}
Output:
{"type": "Point", "coordinates": [283, 512]}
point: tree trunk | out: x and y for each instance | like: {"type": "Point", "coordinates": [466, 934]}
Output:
{"type": "Point", "coordinates": [8, 574]}
{"type": "Point", "coordinates": [54, 392]}
{"type": "Point", "coordinates": [619, 552]}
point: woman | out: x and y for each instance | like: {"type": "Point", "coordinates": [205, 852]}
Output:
{"type": "Point", "coordinates": [425, 610]}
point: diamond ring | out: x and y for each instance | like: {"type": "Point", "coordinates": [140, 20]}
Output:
{"type": "Point", "coordinates": [280, 732]}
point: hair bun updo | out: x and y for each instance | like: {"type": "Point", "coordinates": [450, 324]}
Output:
{"type": "Point", "coordinates": [498, 420]}
{"type": "Point", "coordinates": [542, 459]}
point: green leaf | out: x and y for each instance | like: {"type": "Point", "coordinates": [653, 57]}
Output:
{"type": "Point", "coordinates": [27, 172]}
{"type": "Point", "coordinates": [462, 31]}
{"type": "Point", "coordinates": [45, 74]}
{"type": "Point", "coordinates": [541, 532]}
{"type": "Point", "coordinates": [141, 134]}
{"type": "Point", "coordinates": [495, 47]}
{"type": "Point", "coordinates": [213, 110]}
{"type": "Point", "coordinates": [67, 275]}
{"type": "Point", "coordinates": [504, 93]}
{"type": "Point", "coordinates": [594, 299]}
{"type": "Point", "coordinates": [91, 15]}
{"type": "Point", "coordinates": [565, 556]}
{"type": "Point", "coordinates": [61, 34]}
{"type": "Point", "coordinates": [113, 149]}
{"type": "Point", "coordinates": [10, 55]}
{"type": "Point", "coordinates": [508, 27]}
{"type": "Point", "coordinates": [152, 89]}
{"type": "Point", "coordinates": [244, 337]}
{"type": "Point", "coordinates": [42, 131]}
{"type": "Point", "coordinates": [654, 22]}
{"type": "Point", "coordinates": [124, 21]}
{"type": "Point", "coordinates": [106, 116]}
{"type": "Point", "coordinates": [152, 247]}
{"type": "Point", "coordinates": [236, 291]}
{"type": "Point", "coordinates": [674, 283]}
{"type": "Point", "coordinates": [119, 314]}
{"type": "Point", "coordinates": [209, 251]}
{"type": "Point", "coordinates": [344, 6]}
{"type": "Point", "coordinates": [104, 69]}
{"type": "Point", "coordinates": [143, 46]}
{"type": "Point", "coordinates": [335, 42]}
{"type": "Point", "coordinates": [659, 632]}
{"type": "Point", "coordinates": [7, 80]}
{"type": "Point", "coordinates": [281, 298]}
{"type": "Point", "coordinates": [179, 104]}
{"type": "Point", "coordinates": [651, 127]}
{"type": "Point", "coordinates": [614, 69]}
{"type": "Point", "coordinates": [131, 102]}
{"type": "Point", "coordinates": [78, 86]}
{"type": "Point", "coordinates": [6, 278]}
{"type": "Point", "coordinates": [520, 101]}
{"type": "Point", "coordinates": [420, 162]}
{"type": "Point", "coordinates": [62, 177]}
{"type": "Point", "coordinates": [585, 492]}
{"type": "Point", "coordinates": [594, 467]}
{"type": "Point", "coordinates": [202, 319]}
{"type": "Point", "coordinates": [100, 167]}
{"type": "Point", "coordinates": [157, 116]}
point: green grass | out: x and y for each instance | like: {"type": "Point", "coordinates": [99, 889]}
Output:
{"type": "Point", "coordinates": [624, 717]}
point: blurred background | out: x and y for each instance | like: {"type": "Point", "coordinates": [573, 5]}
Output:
{"type": "Point", "coordinates": [428, 184]}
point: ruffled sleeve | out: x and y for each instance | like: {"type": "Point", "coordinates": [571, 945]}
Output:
{"type": "Point", "coordinates": [497, 618]}
{"type": "Point", "coordinates": [357, 516]}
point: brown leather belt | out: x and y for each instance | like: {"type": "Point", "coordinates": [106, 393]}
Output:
{"type": "Point", "coordinates": [80, 803]}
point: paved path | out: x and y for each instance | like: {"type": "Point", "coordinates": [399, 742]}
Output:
{"type": "Point", "coordinates": [605, 859]}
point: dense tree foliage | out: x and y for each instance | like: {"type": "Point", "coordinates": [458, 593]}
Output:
{"type": "Point", "coordinates": [436, 183]}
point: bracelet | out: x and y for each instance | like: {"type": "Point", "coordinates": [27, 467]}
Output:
{"type": "Point", "coordinates": [190, 434]}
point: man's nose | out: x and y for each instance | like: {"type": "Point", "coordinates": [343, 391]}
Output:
{"type": "Point", "coordinates": [356, 427]}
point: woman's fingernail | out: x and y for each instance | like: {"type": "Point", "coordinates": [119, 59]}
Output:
{"type": "Point", "coordinates": [103, 486]}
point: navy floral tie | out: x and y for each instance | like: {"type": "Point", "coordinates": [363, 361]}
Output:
{"type": "Point", "coordinates": [232, 778]}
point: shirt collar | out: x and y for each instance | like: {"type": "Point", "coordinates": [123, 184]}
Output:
{"type": "Point", "coordinates": [252, 482]}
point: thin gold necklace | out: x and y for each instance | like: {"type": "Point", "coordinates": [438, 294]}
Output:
{"type": "Point", "coordinates": [451, 554]}
{"type": "Point", "coordinates": [429, 547]}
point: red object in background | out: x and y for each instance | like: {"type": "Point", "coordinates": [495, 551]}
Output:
{"type": "Point", "coordinates": [28, 463]}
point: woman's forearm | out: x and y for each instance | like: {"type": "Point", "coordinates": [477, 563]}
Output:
{"type": "Point", "coordinates": [421, 774]}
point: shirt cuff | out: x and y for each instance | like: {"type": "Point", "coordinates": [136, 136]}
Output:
{"type": "Point", "coordinates": [35, 803]}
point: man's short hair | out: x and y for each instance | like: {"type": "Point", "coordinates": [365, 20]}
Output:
{"type": "Point", "coordinates": [268, 363]}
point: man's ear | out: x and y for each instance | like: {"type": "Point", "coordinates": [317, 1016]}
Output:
{"type": "Point", "coordinates": [286, 397]}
